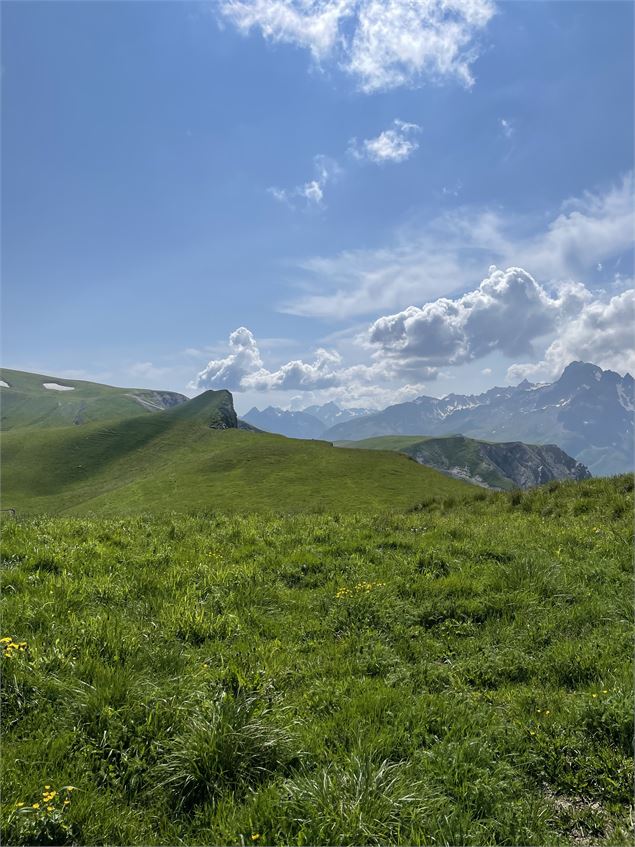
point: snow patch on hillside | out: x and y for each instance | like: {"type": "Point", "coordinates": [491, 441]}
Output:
{"type": "Point", "coordinates": [55, 386]}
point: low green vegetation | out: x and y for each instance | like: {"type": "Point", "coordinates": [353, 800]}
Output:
{"type": "Point", "coordinates": [192, 457]}
{"type": "Point", "coordinates": [457, 674]}
{"type": "Point", "coordinates": [26, 402]}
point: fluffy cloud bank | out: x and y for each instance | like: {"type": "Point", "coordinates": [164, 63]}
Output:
{"type": "Point", "coordinates": [392, 145]}
{"type": "Point", "coordinates": [242, 370]}
{"type": "Point", "coordinates": [509, 313]}
{"type": "Point", "coordinates": [602, 333]}
{"type": "Point", "coordinates": [382, 44]}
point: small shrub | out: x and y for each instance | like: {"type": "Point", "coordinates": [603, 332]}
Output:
{"type": "Point", "coordinates": [232, 743]}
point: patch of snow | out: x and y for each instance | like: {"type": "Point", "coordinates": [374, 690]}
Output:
{"type": "Point", "coordinates": [625, 400]}
{"type": "Point", "coordinates": [4, 384]}
{"type": "Point", "coordinates": [55, 386]}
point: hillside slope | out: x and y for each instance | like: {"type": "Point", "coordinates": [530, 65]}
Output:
{"type": "Point", "coordinates": [500, 466]}
{"type": "Point", "coordinates": [193, 457]}
{"type": "Point", "coordinates": [27, 402]}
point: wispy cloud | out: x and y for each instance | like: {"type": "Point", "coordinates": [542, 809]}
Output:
{"type": "Point", "coordinates": [507, 127]}
{"type": "Point", "coordinates": [381, 44]}
{"type": "Point", "coordinates": [392, 145]}
{"type": "Point", "coordinates": [310, 193]}
{"type": "Point", "coordinates": [450, 252]}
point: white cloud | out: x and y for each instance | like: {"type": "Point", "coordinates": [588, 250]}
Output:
{"type": "Point", "coordinates": [506, 313]}
{"type": "Point", "coordinates": [382, 44]}
{"type": "Point", "coordinates": [507, 127]}
{"type": "Point", "coordinates": [326, 170]}
{"type": "Point", "coordinates": [242, 370]}
{"type": "Point", "coordinates": [243, 359]}
{"type": "Point", "coordinates": [602, 333]}
{"type": "Point", "coordinates": [486, 371]}
{"type": "Point", "coordinates": [510, 313]}
{"type": "Point", "coordinates": [391, 145]}
{"type": "Point", "coordinates": [448, 254]}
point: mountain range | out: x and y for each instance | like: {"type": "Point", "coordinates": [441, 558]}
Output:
{"type": "Point", "coordinates": [311, 422]}
{"type": "Point", "coordinates": [587, 412]}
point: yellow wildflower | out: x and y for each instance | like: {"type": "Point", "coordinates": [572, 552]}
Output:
{"type": "Point", "coordinates": [255, 836]}
{"type": "Point", "coordinates": [35, 806]}
{"type": "Point", "coordinates": [6, 640]}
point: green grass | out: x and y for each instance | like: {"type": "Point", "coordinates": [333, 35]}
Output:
{"type": "Point", "coordinates": [448, 451]}
{"type": "Point", "coordinates": [26, 403]}
{"type": "Point", "coordinates": [174, 461]}
{"type": "Point", "coordinates": [458, 674]}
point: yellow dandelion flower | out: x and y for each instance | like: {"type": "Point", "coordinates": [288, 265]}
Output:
{"type": "Point", "coordinates": [35, 806]}
{"type": "Point", "coordinates": [5, 640]}
{"type": "Point", "coordinates": [49, 808]}
{"type": "Point", "coordinates": [19, 805]}
{"type": "Point", "coordinates": [255, 836]}
{"type": "Point", "coordinates": [67, 802]}
{"type": "Point", "coordinates": [47, 786]}
{"type": "Point", "coordinates": [594, 695]}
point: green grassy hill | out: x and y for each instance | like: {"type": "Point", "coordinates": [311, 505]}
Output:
{"type": "Point", "coordinates": [24, 401]}
{"type": "Point", "coordinates": [192, 457]}
{"type": "Point", "coordinates": [462, 674]}
{"type": "Point", "coordinates": [503, 466]}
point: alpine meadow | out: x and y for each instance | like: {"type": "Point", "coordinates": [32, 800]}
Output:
{"type": "Point", "coordinates": [317, 442]}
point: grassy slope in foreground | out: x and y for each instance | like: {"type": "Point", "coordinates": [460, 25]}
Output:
{"type": "Point", "coordinates": [27, 403]}
{"type": "Point", "coordinates": [173, 460]}
{"type": "Point", "coordinates": [460, 675]}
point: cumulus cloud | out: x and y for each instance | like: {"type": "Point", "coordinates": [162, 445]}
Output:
{"type": "Point", "coordinates": [312, 192]}
{"type": "Point", "coordinates": [242, 370]}
{"type": "Point", "coordinates": [448, 254]}
{"type": "Point", "coordinates": [602, 333]}
{"type": "Point", "coordinates": [242, 360]}
{"type": "Point", "coordinates": [392, 145]}
{"type": "Point", "coordinates": [507, 312]}
{"type": "Point", "coordinates": [381, 44]}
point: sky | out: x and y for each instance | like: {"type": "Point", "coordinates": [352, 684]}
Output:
{"type": "Point", "coordinates": [314, 200]}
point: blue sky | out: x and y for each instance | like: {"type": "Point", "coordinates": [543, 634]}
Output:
{"type": "Point", "coordinates": [303, 201]}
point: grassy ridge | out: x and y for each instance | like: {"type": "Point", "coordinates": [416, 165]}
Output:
{"type": "Point", "coordinates": [461, 674]}
{"type": "Point", "coordinates": [26, 403]}
{"type": "Point", "coordinates": [174, 461]}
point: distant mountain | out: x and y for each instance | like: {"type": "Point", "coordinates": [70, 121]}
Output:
{"type": "Point", "coordinates": [311, 422]}
{"type": "Point", "coordinates": [330, 413]}
{"type": "Point", "coordinates": [291, 424]}
{"type": "Point", "coordinates": [501, 466]}
{"type": "Point", "coordinates": [588, 413]}
{"type": "Point", "coordinates": [37, 400]}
